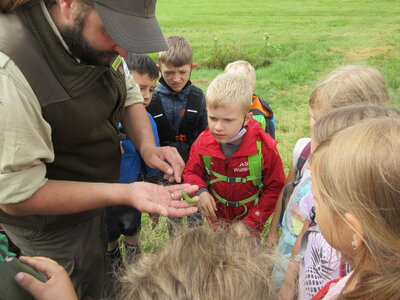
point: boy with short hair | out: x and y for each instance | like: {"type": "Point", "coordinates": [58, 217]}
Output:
{"type": "Point", "coordinates": [234, 162]}
{"type": "Point", "coordinates": [178, 107]}
{"type": "Point", "coordinates": [126, 220]}
{"type": "Point", "coordinates": [261, 110]}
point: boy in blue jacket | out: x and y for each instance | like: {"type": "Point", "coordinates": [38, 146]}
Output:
{"type": "Point", "coordinates": [126, 220]}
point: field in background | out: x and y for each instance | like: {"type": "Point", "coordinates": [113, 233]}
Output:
{"type": "Point", "coordinates": [293, 43]}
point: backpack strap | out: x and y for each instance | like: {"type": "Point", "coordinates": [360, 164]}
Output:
{"type": "Point", "coordinates": [255, 165]}
{"type": "Point", "coordinates": [189, 125]}
{"type": "Point", "coordinates": [164, 129]}
{"type": "Point", "coordinates": [261, 120]}
{"type": "Point", "coordinates": [304, 155]}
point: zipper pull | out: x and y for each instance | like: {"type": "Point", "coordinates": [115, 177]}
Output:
{"type": "Point", "coordinates": [226, 164]}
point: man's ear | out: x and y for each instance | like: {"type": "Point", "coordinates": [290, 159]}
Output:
{"type": "Point", "coordinates": [359, 234]}
{"type": "Point", "coordinates": [194, 66]}
{"type": "Point", "coordinates": [248, 117]}
{"type": "Point", "coordinates": [67, 8]}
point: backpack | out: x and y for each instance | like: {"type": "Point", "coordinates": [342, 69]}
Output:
{"type": "Point", "coordinates": [189, 125]}
{"type": "Point", "coordinates": [304, 155]}
{"type": "Point", "coordinates": [264, 115]}
{"type": "Point", "coordinates": [255, 176]}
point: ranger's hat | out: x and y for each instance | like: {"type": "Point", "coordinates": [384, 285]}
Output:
{"type": "Point", "coordinates": [132, 24]}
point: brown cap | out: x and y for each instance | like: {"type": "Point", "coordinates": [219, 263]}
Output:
{"type": "Point", "coordinates": [132, 24]}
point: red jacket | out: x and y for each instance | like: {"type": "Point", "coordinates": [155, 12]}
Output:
{"type": "Point", "coordinates": [237, 166]}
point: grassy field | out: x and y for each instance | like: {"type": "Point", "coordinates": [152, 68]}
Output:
{"type": "Point", "coordinates": [293, 44]}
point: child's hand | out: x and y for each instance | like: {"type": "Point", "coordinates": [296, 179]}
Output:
{"type": "Point", "coordinates": [272, 237]}
{"type": "Point", "coordinates": [207, 205]}
{"type": "Point", "coordinates": [58, 285]}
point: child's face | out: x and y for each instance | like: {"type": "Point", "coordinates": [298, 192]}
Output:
{"type": "Point", "coordinates": [176, 77]}
{"type": "Point", "coordinates": [146, 84]}
{"type": "Point", "coordinates": [335, 231]}
{"type": "Point", "coordinates": [312, 118]}
{"type": "Point", "coordinates": [314, 144]}
{"type": "Point", "coordinates": [225, 122]}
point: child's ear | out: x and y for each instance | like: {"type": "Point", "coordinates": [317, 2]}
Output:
{"type": "Point", "coordinates": [194, 66]}
{"type": "Point", "coordinates": [359, 234]}
{"type": "Point", "coordinates": [248, 117]}
{"type": "Point", "coordinates": [159, 68]}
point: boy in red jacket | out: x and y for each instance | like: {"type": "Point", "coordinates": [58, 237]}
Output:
{"type": "Point", "coordinates": [234, 161]}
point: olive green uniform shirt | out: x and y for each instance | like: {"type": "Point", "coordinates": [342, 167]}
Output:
{"type": "Point", "coordinates": [25, 137]}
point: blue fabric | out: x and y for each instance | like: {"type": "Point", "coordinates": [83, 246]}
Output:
{"type": "Point", "coordinates": [131, 163]}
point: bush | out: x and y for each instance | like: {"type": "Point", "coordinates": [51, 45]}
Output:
{"type": "Point", "coordinates": [223, 54]}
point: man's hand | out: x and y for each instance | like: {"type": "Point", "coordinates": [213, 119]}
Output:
{"type": "Point", "coordinates": [161, 200]}
{"type": "Point", "coordinates": [207, 205]}
{"type": "Point", "coordinates": [166, 159]}
{"type": "Point", "coordinates": [58, 285]}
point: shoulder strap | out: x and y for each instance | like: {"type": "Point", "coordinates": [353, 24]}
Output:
{"type": "Point", "coordinates": [261, 120]}
{"type": "Point", "coordinates": [304, 155]}
{"type": "Point", "coordinates": [189, 124]}
{"type": "Point", "coordinates": [207, 165]}
{"type": "Point", "coordinates": [17, 42]}
{"type": "Point", "coordinates": [156, 109]}
{"type": "Point", "coordinates": [255, 165]}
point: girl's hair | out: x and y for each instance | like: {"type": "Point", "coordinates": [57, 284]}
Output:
{"type": "Point", "coordinates": [348, 85]}
{"type": "Point", "coordinates": [243, 68]}
{"type": "Point", "coordinates": [229, 89]}
{"type": "Point", "coordinates": [179, 52]}
{"type": "Point", "coordinates": [202, 264]}
{"type": "Point", "coordinates": [346, 116]}
{"type": "Point", "coordinates": [357, 171]}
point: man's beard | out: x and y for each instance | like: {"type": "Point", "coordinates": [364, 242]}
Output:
{"type": "Point", "coordinates": [81, 49]}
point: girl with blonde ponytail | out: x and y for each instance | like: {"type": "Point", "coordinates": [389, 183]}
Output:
{"type": "Point", "coordinates": [356, 185]}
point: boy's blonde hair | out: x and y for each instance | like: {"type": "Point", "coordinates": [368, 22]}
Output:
{"type": "Point", "coordinates": [179, 52]}
{"type": "Point", "coordinates": [243, 68]}
{"type": "Point", "coordinates": [348, 85]}
{"type": "Point", "coordinates": [229, 89]}
{"type": "Point", "coordinates": [201, 263]}
{"type": "Point", "coordinates": [357, 171]}
{"type": "Point", "coordinates": [346, 116]}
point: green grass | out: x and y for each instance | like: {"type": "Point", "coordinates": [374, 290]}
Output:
{"type": "Point", "coordinates": [307, 39]}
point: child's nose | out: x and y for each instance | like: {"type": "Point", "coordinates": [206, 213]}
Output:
{"type": "Point", "coordinates": [218, 125]}
{"type": "Point", "coordinates": [146, 95]}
